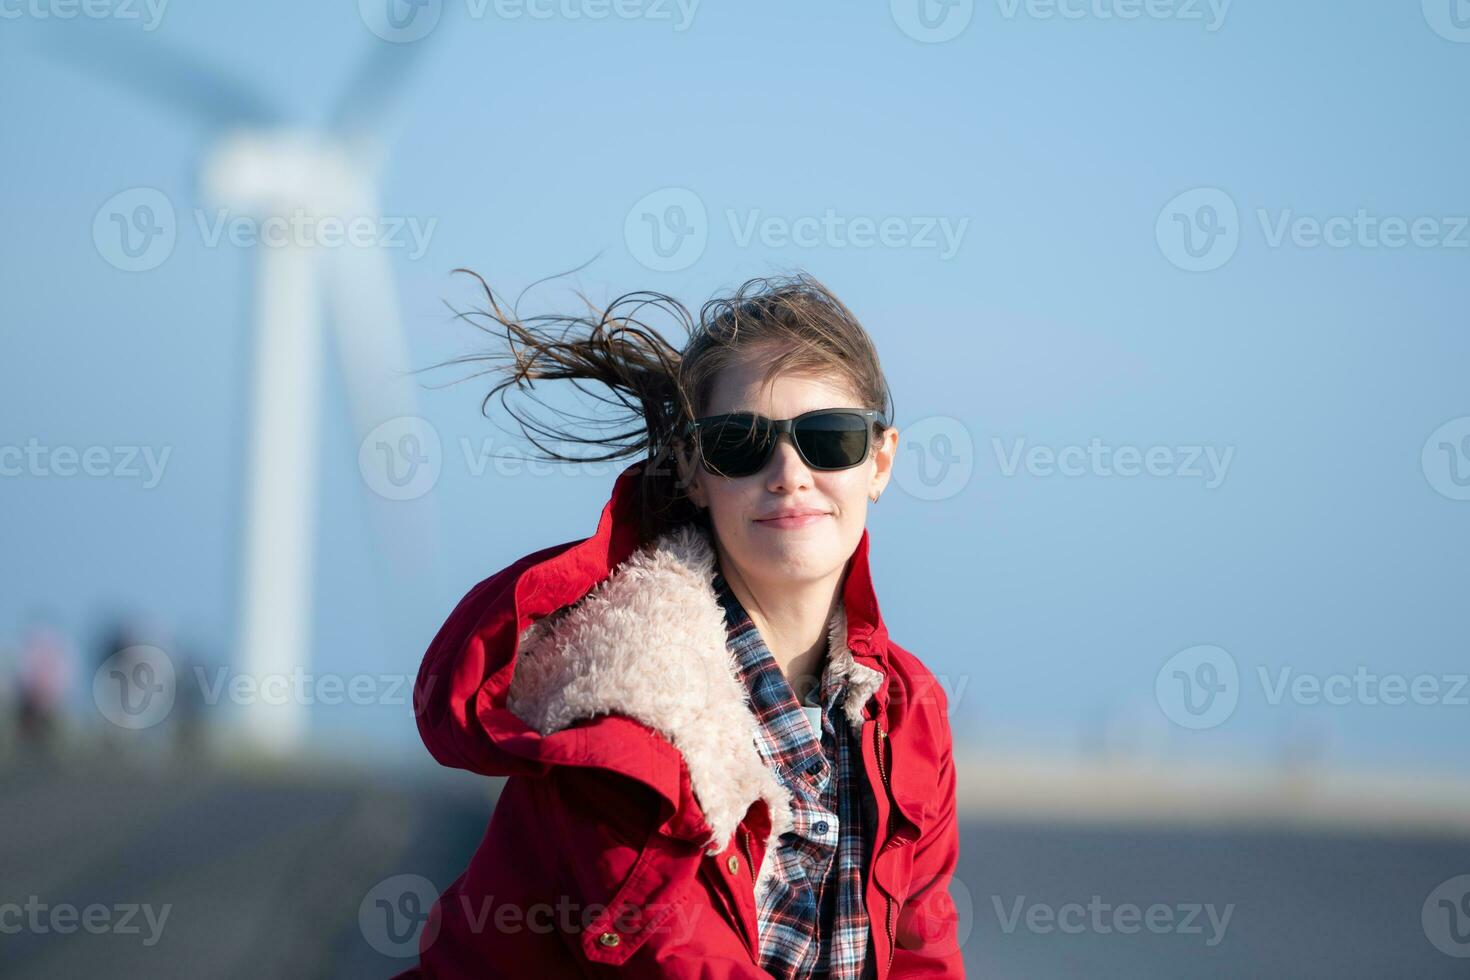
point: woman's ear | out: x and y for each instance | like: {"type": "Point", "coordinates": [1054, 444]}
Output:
{"type": "Point", "coordinates": [689, 474]}
{"type": "Point", "coordinates": [885, 451]}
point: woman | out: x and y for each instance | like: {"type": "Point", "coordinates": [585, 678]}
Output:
{"type": "Point", "coordinates": [718, 763]}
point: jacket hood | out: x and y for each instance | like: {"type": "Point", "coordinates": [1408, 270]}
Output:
{"type": "Point", "coordinates": [606, 653]}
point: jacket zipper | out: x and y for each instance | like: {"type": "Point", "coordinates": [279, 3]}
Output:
{"type": "Point", "coordinates": [749, 861]}
{"type": "Point", "coordinates": [878, 736]}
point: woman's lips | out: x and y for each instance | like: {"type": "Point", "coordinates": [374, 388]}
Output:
{"type": "Point", "coordinates": [800, 520]}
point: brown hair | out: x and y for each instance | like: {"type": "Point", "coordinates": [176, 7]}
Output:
{"type": "Point", "coordinates": [789, 322]}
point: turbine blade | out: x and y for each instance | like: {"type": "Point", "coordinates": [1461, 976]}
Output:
{"type": "Point", "coordinates": [370, 339]}
{"type": "Point", "coordinates": [375, 362]}
{"type": "Point", "coordinates": [160, 73]}
{"type": "Point", "coordinates": [365, 112]}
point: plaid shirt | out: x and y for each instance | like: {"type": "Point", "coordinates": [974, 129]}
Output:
{"type": "Point", "coordinates": [812, 920]}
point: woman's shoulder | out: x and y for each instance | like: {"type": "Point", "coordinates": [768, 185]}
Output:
{"type": "Point", "coordinates": [919, 687]}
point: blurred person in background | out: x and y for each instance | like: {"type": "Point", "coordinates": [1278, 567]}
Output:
{"type": "Point", "coordinates": [719, 763]}
{"type": "Point", "coordinates": [133, 654]}
{"type": "Point", "coordinates": [9, 717]}
{"type": "Point", "coordinates": [43, 677]}
{"type": "Point", "coordinates": [190, 736]}
{"type": "Point", "coordinates": [118, 655]}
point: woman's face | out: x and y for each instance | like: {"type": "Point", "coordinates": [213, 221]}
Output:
{"type": "Point", "coordinates": [768, 553]}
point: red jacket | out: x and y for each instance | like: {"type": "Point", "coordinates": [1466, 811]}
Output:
{"type": "Point", "coordinates": [629, 835]}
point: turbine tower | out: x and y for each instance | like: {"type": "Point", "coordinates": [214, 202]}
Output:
{"type": "Point", "coordinates": [260, 165]}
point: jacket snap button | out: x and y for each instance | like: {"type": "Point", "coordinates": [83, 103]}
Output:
{"type": "Point", "coordinates": [733, 863]}
{"type": "Point", "coordinates": [609, 939]}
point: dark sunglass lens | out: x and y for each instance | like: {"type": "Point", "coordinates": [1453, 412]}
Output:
{"type": "Point", "coordinates": [833, 441]}
{"type": "Point", "coordinates": [736, 446]}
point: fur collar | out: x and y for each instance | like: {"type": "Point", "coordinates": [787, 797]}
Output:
{"type": "Point", "coordinates": [649, 642]}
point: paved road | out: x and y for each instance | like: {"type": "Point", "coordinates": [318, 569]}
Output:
{"type": "Point", "coordinates": [264, 875]}
{"type": "Point", "coordinates": [1300, 905]}
{"type": "Point", "coordinates": [257, 875]}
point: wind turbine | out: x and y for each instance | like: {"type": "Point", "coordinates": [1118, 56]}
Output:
{"type": "Point", "coordinates": [259, 164]}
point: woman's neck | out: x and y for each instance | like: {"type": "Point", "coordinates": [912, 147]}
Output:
{"type": "Point", "coordinates": [792, 620]}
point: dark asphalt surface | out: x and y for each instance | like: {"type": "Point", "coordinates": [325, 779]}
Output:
{"type": "Point", "coordinates": [265, 875]}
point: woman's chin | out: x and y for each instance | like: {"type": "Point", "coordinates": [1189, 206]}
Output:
{"type": "Point", "coordinates": [795, 557]}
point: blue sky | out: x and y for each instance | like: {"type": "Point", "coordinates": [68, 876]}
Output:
{"type": "Point", "coordinates": [1052, 146]}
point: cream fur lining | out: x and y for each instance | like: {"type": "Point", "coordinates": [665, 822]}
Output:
{"type": "Point", "coordinates": [649, 642]}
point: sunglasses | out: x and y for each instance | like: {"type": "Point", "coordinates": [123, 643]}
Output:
{"type": "Point", "coordinates": [740, 443]}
